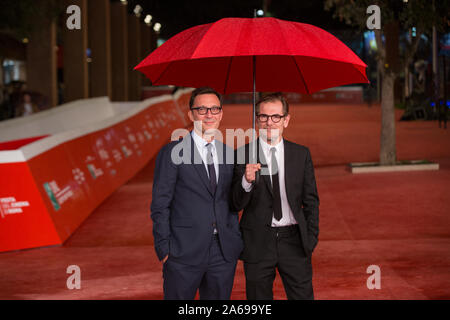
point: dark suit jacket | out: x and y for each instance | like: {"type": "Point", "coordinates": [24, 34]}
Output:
{"type": "Point", "coordinates": [184, 209]}
{"type": "Point", "coordinates": [301, 193]}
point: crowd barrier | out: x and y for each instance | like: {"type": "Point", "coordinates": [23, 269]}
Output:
{"type": "Point", "coordinates": [350, 94]}
{"type": "Point", "coordinates": [57, 168]}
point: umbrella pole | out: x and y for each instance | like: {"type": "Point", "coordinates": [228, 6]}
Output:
{"type": "Point", "coordinates": [254, 158]}
{"type": "Point", "coordinates": [254, 145]}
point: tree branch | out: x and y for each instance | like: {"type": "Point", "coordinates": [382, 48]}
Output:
{"type": "Point", "coordinates": [412, 49]}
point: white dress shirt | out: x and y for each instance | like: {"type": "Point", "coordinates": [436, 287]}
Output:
{"type": "Point", "coordinates": [200, 144]}
{"type": "Point", "coordinates": [203, 150]}
{"type": "Point", "coordinates": [287, 217]}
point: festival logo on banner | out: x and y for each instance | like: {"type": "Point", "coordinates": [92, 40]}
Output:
{"type": "Point", "coordinates": [103, 154]}
{"type": "Point", "coordinates": [126, 151]}
{"type": "Point", "coordinates": [147, 135]}
{"type": "Point", "coordinates": [78, 176]}
{"type": "Point", "coordinates": [132, 138]}
{"type": "Point", "coordinates": [162, 122]}
{"type": "Point", "coordinates": [10, 205]}
{"type": "Point", "coordinates": [146, 126]}
{"type": "Point", "coordinates": [117, 155]}
{"type": "Point", "coordinates": [94, 171]}
{"type": "Point", "coordinates": [141, 137]}
{"type": "Point", "coordinates": [112, 153]}
{"type": "Point", "coordinates": [155, 128]}
{"type": "Point", "coordinates": [57, 195]}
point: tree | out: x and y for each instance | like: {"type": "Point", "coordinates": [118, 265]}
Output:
{"type": "Point", "coordinates": [396, 16]}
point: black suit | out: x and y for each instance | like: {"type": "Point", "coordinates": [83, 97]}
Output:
{"type": "Point", "coordinates": [260, 238]}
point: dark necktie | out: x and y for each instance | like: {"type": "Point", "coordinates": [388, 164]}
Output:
{"type": "Point", "coordinates": [211, 169]}
{"type": "Point", "coordinates": [277, 213]}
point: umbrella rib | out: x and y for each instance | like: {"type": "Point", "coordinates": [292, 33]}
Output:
{"type": "Point", "coordinates": [228, 74]}
{"type": "Point", "coordinates": [301, 75]}
{"type": "Point", "coordinates": [162, 73]}
{"type": "Point", "coordinates": [364, 76]}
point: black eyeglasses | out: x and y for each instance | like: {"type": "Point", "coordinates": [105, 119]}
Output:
{"type": "Point", "coordinates": [204, 110]}
{"type": "Point", "coordinates": [265, 117]}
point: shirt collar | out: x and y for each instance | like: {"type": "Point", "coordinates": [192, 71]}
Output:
{"type": "Point", "coordinates": [266, 147]}
{"type": "Point", "coordinates": [199, 141]}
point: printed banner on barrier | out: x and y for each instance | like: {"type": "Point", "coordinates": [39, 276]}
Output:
{"type": "Point", "coordinates": [62, 186]}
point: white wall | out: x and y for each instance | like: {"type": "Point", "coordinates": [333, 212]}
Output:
{"type": "Point", "coordinates": [62, 118]}
{"type": "Point", "coordinates": [86, 116]}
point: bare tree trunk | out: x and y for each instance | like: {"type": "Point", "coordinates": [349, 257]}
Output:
{"type": "Point", "coordinates": [389, 59]}
{"type": "Point", "coordinates": [388, 152]}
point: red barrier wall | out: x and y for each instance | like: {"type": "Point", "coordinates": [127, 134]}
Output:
{"type": "Point", "coordinates": [45, 199]}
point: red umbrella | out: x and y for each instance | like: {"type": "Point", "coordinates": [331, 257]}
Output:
{"type": "Point", "coordinates": [289, 56]}
{"type": "Point", "coordinates": [259, 54]}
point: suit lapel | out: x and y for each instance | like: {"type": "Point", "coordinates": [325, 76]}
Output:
{"type": "Point", "coordinates": [220, 149]}
{"type": "Point", "coordinates": [288, 175]}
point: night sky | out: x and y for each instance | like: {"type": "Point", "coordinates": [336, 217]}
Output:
{"type": "Point", "coordinates": [178, 15]}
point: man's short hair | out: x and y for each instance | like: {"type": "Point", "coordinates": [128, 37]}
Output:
{"type": "Point", "coordinates": [203, 90]}
{"type": "Point", "coordinates": [271, 97]}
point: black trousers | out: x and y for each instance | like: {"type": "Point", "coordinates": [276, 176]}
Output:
{"type": "Point", "coordinates": [285, 253]}
{"type": "Point", "coordinates": [213, 278]}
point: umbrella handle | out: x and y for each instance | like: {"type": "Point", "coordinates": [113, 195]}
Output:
{"type": "Point", "coordinates": [257, 176]}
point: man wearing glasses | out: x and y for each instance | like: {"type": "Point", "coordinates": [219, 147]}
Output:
{"type": "Point", "coordinates": [196, 234]}
{"type": "Point", "coordinates": [280, 222]}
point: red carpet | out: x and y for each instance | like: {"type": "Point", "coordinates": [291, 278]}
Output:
{"type": "Point", "coordinates": [398, 221]}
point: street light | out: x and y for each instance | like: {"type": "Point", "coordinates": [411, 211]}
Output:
{"type": "Point", "coordinates": [260, 13]}
{"type": "Point", "coordinates": [138, 10]}
{"type": "Point", "coordinates": [157, 27]}
{"type": "Point", "coordinates": [148, 19]}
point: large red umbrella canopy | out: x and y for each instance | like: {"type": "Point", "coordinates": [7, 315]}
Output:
{"type": "Point", "coordinates": [289, 57]}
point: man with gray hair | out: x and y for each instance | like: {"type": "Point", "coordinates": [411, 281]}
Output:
{"type": "Point", "coordinates": [280, 222]}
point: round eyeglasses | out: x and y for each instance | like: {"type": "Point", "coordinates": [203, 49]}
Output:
{"type": "Point", "coordinates": [204, 110]}
{"type": "Point", "coordinates": [265, 117]}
